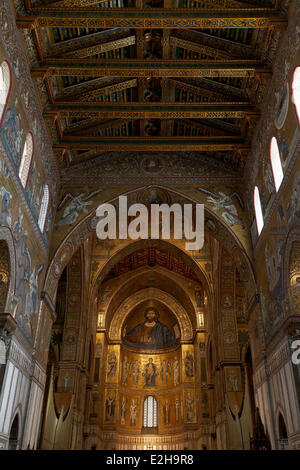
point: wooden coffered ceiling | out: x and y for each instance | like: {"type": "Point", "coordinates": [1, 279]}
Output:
{"type": "Point", "coordinates": [151, 256]}
{"type": "Point", "coordinates": [152, 75]}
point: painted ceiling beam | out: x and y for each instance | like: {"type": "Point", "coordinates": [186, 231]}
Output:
{"type": "Point", "coordinates": [87, 86]}
{"type": "Point", "coordinates": [212, 86]}
{"type": "Point", "coordinates": [87, 129]}
{"type": "Point", "coordinates": [224, 3]}
{"type": "Point", "coordinates": [160, 68]}
{"type": "Point", "coordinates": [71, 3]}
{"type": "Point", "coordinates": [87, 3]}
{"type": "Point", "coordinates": [219, 46]}
{"type": "Point", "coordinates": [154, 18]}
{"type": "Point", "coordinates": [89, 125]}
{"type": "Point", "coordinates": [100, 48]}
{"type": "Point", "coordinates": [213, 124]}
{"type": "Point", "coordinates": [81, 42]}
{"type": "Point", "coordinates": [103, 91]}
{"type": "Point", "coordinates": [209, 3]}
{"type": "Point", "coordinates": [204, 144]}
{"type": "Point", "coordinates": [151, 111]}
{"type": "Point", "coordinates": [214, 94]}
{"type": "Point", "coordinates": [200, 48]}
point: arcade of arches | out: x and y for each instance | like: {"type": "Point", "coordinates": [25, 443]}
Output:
{"type": "Point", "coordinates": [143, 344]}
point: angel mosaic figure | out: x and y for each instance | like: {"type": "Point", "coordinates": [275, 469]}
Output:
{"type": "Point", "coordinates": [224, 201]}
{"type": "Point", "coordinates": [78, 204]}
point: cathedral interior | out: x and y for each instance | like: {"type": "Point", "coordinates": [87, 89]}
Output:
{"type": "Point", "coordinates": [141, 344]}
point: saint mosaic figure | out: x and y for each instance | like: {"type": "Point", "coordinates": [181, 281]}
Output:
{"type": "Point", "coordinates": [151, 334]}
{"type": "Point", "coordinates": [125, 371]}
{"type": "Point", "coordinates": [233, 381]}
{"type": "Point", "coordinates": [123, 411]}
{"type": "Point", "coordinates": [189, 407]}
{"type": "Point", "coordinates": [176, 372]}
{"type": "Point", "coordinates": [177, 409]}
{"type": "Point", "coordinates": [135, 371]}
{"type": "Point", "coordinates": [189, 365]}
{"type": "Point", "coordinates": [165, 371]}
{"type": "Point", "coordinates": [109, 408]}
{"type": "Point", "coordinates": [111, 365]}
{"type": "Point", "coordinates": [167, 412]}
{"type": "Point", "coordinates": [133, 413]}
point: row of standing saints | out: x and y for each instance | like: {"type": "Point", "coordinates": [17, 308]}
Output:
{"type": "Point", "coordinates": [152, 372]}
{"type": "Point", "coordinates": [170, 409]}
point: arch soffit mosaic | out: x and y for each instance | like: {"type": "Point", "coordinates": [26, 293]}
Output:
{"type": "Point", "coordinates": [85, 228]}
{"type": "Point", "coordinates": [183, 298]}
{"type": "Point", "coordinates": [6, 235]}
{"type": "Point", "coordinates": [151, 293]}
{"type": "Point", "coordinates": [132, 245]}
{"type": "Point", "coordinates": [121, 292]}
{"type": "Point", "coordinates": [292, 239]}
{"type": "Point", "coordinates": [135, 245]}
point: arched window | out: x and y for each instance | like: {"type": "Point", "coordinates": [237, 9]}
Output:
{"type": "Point", "coordinates": [283, 108]}
{"type": "Point", "coordinates": [150, 412]}
{"type": "Point", "coordinates": [296, 91]}
{"type": "Point", "coordinates": [14, 434]}
{"type": "Point", "coordinates": [283, 435]}
{"type": "Point", "coordinates": [5, 85]}
{"type": "Point", "coordinates": [26, 159]}
{"type": "Point", "coordinates": [44, 208]}
{"type": "Point", "coordinates": [258, 211]}
{"type": "Point", "coordinates": [276, 163]}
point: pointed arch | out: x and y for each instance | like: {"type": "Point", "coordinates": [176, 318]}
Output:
{"type": "Point", "coordinates": [4, 274]}
{"type": "Point", "coordinates": [282, 432]}
{"type": "Point", "coordinates": [14, 433]}
{"type": "Point", "coordinates": [8, 265]}
{"type": "Point", "coordinates": [70, 243]}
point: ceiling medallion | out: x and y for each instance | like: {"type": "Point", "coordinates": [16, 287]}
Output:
{"type": "Point", "coordinates": [152, 165]}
